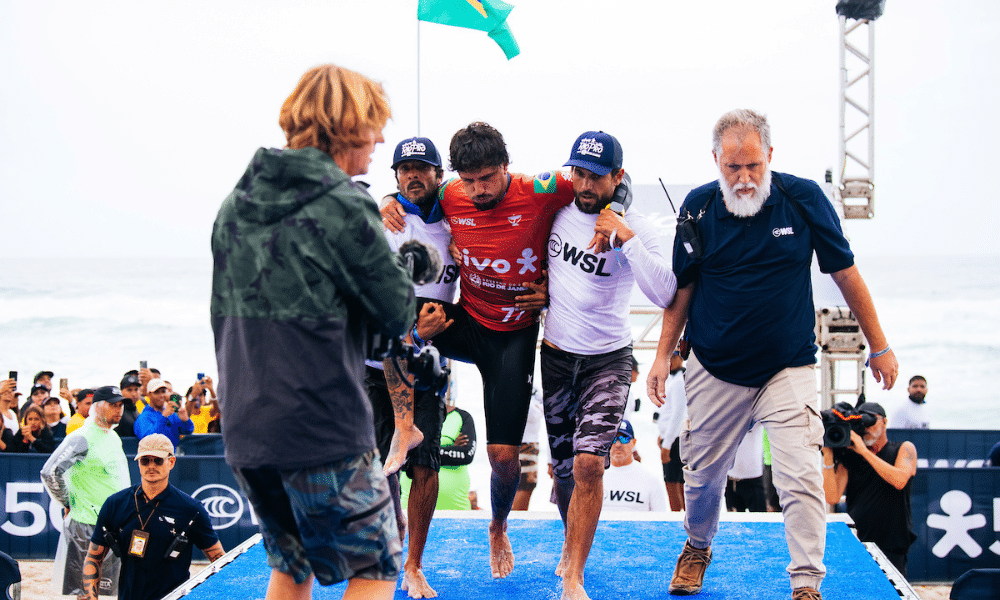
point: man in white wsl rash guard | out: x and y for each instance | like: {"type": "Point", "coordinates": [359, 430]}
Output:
{"type": "Point", "coordinates": [587, 347]}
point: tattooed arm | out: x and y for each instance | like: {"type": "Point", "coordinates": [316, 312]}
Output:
{"type": "Point", "coordinates": [92, 570]}
{"type": "Point", "coordinates": [214, 553]}
{"type": "Point", "coordinates": [406, 435]}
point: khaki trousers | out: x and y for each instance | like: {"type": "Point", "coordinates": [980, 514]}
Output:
{"type": "Point", "coordinates": [719, 416]}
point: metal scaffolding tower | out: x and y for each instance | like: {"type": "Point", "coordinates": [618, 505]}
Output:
{"type": "Point", "coordinates": [856, 190]}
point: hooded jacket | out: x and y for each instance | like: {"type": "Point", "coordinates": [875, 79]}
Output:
{"type": "Point", "coordinates": [301, 271]}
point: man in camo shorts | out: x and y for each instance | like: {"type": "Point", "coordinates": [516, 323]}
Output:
{"type": "Point", "coordinates": [586, 355]}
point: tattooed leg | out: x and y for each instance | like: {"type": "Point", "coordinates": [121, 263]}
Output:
{"type": "Point", "coordinates": [406, 435]}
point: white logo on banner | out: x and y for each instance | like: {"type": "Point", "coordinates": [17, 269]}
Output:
{"type": "Point", "coordinates": [956, 525]}
{"type": "Point", "coordinates": [223, 504]}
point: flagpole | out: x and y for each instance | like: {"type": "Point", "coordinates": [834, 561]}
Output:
{"type": "Point", "coordinates": [418, 77]}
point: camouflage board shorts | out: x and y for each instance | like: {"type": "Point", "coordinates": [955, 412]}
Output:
{"type": "Point", "coordinates": [584, 399]}
{"type": "Point", "coordinates": [335, 520]}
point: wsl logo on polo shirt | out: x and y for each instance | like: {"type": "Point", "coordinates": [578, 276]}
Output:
{"type": "Point", "coordinates": [413, 147]}
{"type": "Point", "coordinates": [780, 231]}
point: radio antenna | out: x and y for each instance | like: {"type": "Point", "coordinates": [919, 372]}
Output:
{"type": "Point", "coordinates": [668, 195]}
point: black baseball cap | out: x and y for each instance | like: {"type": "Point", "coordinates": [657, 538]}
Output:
{"type": "Point", "coordinates": [130, 379]}
{"type": "Point", "coordinates": [37, 387]}
{"type": "Point", "coordinates": [41, 374]}
{"type": "Point", "coordinates": [416, 148]}
{"type": "Point", "coordinates": [872, 407]}
{"type": "Point", "coordinates": [83, 394]}
{"type": "Point", "coordinates": [108, 393]}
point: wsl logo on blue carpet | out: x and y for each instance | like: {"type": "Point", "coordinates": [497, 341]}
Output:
{"type": "Point", "coordinates": [223, 503]}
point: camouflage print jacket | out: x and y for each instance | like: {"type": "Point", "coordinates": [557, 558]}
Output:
{"type": "Point", "coordinates": [301, 266]}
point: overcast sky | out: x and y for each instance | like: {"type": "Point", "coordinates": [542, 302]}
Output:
{"type": "Point", "coordinates": [125, 124]}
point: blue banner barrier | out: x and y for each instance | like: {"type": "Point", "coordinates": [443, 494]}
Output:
{"type": "Point", "coordinates": [956, 512]}
{"type": "Point", "coordinates": [948, 447]}
{"type": "Point", "coordinates": [956, 516]}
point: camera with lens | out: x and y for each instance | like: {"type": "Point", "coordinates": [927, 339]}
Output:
{"type": "Point", "coordinates": [839, 421]}
{"type": "Point", "coordinates": [423, 263]}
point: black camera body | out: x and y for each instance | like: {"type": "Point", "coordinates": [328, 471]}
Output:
{"type": "Point", "coordinates": [839, 421]}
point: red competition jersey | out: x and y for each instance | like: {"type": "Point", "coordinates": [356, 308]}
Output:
{"type": "Point", "coordinates": [505, 246]}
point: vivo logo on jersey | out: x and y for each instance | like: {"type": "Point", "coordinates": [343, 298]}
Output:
{"type": "Point", "coordinates": [780, 231]}
{"type": "Point", "coordinates": [588, 263]}
{"type": "Point", "coordinates": [499, 265]}
{"type": "Point", "coordinates": [463, 221]}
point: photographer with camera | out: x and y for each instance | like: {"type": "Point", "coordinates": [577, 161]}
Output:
{"type": "Point", "coordinates": [874, 473]}
{"type": "Point", "coordinates": [302, 277]}
{"type": "Point", "coordinates": [164, 414]}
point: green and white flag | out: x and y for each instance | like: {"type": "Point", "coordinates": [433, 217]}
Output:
{"type": "Point", "coordinates": [485, 15]}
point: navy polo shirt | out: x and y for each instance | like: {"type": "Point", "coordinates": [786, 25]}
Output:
{"type": "Point", "coordinates": [152, 577]}
{"type": "Point", "coordinates": [752, 312]}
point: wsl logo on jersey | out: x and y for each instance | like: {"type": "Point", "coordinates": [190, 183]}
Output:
{"type": "Point", "coordinates": [780, 231]}
{"type": "Point", "coordinates": [588, 263]}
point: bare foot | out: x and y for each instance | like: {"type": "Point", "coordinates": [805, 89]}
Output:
{"type": "Point", "coordinates": [563, 562]}
{"type": "Point", "coordinates": [417, 586]}
{"type": "Point", "coordinates": [501, 554]}
{"type": "Point", "coordinates": [403, 440]}
{"type": "Point", "coordinates": [573, 591]}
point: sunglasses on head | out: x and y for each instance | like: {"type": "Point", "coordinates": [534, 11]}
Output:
{"type": "Point", "coordinates": [145, 460]}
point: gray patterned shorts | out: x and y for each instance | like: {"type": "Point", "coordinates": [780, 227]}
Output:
{"type": "Point", "coordinates": [584, 399]}
{"type": "Point", "coordinates": [335, 520]}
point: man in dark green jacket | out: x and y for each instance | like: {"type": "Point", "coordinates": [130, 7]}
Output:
{"type": "Point", "coordinates": [302, 273]}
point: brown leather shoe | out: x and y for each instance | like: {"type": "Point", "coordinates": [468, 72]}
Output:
{"type": "Point", "coordinates": [806, 593]}
{"type": "Point", "coordinates": [690, 570]}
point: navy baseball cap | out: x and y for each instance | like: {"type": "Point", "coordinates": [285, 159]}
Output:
{"type": "Point", "coordinates": [416, 148]}
{"type": "Point", "coordinates": [597, 152]}
{"type": "Point", "coordinates": [626, 428]}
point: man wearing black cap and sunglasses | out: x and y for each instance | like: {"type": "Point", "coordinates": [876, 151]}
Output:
{"type": "Point", "coordinates": [876, 476]}
{"type": "Point", "coordinates": [86, 468]}
{"type": "Point", "coordinates": [153, 526]}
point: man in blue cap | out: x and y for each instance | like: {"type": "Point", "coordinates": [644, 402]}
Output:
{"type": "Point", "coordinates": [586, 353]}
{"type": "Point", "coordinates": [417, 165]}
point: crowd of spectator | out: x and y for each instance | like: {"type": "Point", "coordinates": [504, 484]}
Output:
{"type": "Point", "coordinates": [38, 423]}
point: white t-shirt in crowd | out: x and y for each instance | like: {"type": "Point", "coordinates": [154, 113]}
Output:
{"type": "Point", "coordinates": [633, 488]}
